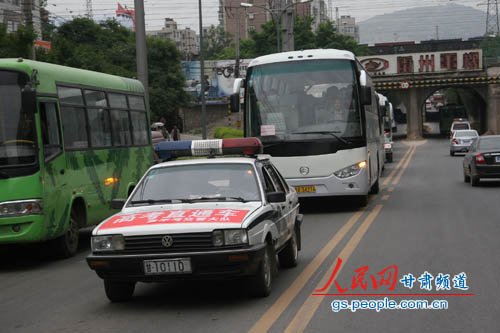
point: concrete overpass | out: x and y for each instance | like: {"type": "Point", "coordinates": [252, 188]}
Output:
{"type": "Point", "coordinates": [409, 73]}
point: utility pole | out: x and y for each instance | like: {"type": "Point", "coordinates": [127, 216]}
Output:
{"type": "Point", "coordinates": [202, 76]}
{"type": "Point", "coordinates": [140, 46]}
{"type": "Point", "coordinates": [492, 25]}
{"type": "Point", "coordinates": [28, 19]}
{"type": "Point", "coordinates": [90, 14]}
{"type": "Point", "coordinates": [437, 32]}
{"type": "Point", "coordinates": [288, 42]}
{"type": "Point", "coordinates": [237, 62]}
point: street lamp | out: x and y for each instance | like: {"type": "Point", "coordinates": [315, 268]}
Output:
{"type": "Point", "coordinates": [276, 16]}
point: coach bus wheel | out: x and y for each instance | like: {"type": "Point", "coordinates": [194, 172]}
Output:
{"type": "Point", "coordinates": [67, 244]}
{"type": "Point", "coordinates": [119, 291]}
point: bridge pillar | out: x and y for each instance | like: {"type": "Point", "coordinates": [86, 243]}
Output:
{"type": "Point", "coordinates": [413, 115]}
{"type": "Point", "coordinates": [493, 103]}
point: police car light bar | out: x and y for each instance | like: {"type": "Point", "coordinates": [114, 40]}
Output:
{"type": "Point", "coordinates": [239, 146]}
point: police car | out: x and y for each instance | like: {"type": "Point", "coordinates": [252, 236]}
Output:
{"type": "Point", "coordinates": [200, 218]}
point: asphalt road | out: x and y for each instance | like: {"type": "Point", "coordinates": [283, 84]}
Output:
{"type": "Point", "coordinates": [425, 219]}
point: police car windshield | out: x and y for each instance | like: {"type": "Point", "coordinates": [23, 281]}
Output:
{"type": "Point", "coordinates": [199, 182]}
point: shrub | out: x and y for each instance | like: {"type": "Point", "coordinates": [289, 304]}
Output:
{"type": "Point", "coordinates": [227, 132]}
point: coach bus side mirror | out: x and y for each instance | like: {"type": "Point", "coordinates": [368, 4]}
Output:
{"type": "Point", "coordinates": [118, 203]}
{"type": "Point", "coordinates": [365, 89]}
{"type": "Point", "coordinates": [234, 102]}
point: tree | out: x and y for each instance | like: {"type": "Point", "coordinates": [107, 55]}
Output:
{"type": "Point", "coordinates": [16, 44]}
{"type": "Point", "coordinates": [109, 47]}
{"type": "Point", "coordinates": [326, 37]}
{"type": "Point", "coordinates": [215, 40]}
{"type": "Point", "coordinates": [303, 34]}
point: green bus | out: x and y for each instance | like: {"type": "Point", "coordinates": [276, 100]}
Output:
{"type": "Point", "coordinates": [71, 140]}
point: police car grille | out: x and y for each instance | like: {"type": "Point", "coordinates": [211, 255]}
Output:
{"type": "Point", "coordinates": [181, 242]}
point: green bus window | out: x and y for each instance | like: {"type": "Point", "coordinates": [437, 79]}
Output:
{"type": "Point", "coordinates": [50, 130]}
{"type": "Point", "coordinates": [140, 127]}
{"type": "Point", "coordinates": [95, 98]}
{"type": "Point", "coordinates": [100, 128]}
{"type": "Point", "coordinates": [117, 101]}
{"type": "Point", "coordinates": [121, 128]}
{"type": "Point", "coordinates": [70, 95]}
{"type": "Point", "coordinates": [136, 103]}
{"type": "Point", "coordinates": [75, 131]}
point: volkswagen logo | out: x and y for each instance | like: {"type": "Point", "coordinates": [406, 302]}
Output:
{"type": "Point", "coordinates": [304, 170]}
{"type": "Point", "coordinates": [167, 241]}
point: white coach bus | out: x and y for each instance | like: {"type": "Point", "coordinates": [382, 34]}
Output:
{"type": "Point", "coordinates": [316, 113]}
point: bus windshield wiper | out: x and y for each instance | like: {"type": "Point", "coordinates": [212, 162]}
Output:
{"type": "Point", "coordinates": [159, 201]}
{"type": "Point", "coordinates": [332, 133]}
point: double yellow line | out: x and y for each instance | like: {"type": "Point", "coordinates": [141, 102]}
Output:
{"type": "Point", "coordinates": [311, 304]}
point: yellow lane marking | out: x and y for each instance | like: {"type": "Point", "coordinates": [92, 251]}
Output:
{"type": "Point", "coordinates": [404, 167]}
{"type": "Point", "coordinates": [396, 169]}
{"type": "Point", "coordinates": [274, 312]}
{"type": "Point", "coordinates": [310, 306]}
{"type": "Point", "coordinates": [385, 197]}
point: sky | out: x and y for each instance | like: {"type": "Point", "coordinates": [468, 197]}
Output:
{"type": "Point", "coordinates": [185, 12]}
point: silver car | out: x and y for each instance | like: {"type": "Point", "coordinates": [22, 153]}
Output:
{"type": "Point", "coordinates": [462, 140]}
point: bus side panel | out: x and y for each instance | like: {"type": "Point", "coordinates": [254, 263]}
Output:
{"type": "Point", "coordinates": [101, 175]}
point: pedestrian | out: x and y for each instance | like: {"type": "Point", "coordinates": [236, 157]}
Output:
{"type": "Point", "coordinates": [175, 133]}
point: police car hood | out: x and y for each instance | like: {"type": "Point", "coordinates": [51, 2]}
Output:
{"type": "Point", "coordinates": [179, 218]}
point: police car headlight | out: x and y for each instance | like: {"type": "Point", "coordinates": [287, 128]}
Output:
{"type": "Point", "coordinates": [107, 243]}
{"type": "Point", "coordinates": [21, 207]}
{"type": "Point", "coordinates": [229, 237]}
{"type": "Point", "coordinates": [351, 170]}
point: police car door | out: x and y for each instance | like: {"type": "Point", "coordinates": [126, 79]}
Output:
{"type": "Point", "coordinates": [282, 208]}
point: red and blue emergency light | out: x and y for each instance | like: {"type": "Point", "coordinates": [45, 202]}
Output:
{"type": "Point", "coordinates": [239, 146]}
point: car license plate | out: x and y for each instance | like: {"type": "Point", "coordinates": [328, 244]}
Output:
{"type": "Point", "coordinates": [167, 266]}
{"type": "Point", "coordinates": [497, 159]}
{"type": "Point", "coordinates": [305, 189]}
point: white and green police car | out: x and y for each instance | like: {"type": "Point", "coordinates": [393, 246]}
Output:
{"type": "Point", "coordinates": [200, 218]}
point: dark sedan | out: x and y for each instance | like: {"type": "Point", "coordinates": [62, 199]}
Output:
{"type": "Point", "coordinates": [482, 160]}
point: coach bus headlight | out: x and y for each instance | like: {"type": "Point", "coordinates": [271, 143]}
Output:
{"type": "Point", "coordinates": [21, 207]}
{"type": "Point", "coordinates": [107, 243]}
{"type": "Point", "coordinates": [351, 170]}
{"type": "Point", "coordinates": [229, 237]}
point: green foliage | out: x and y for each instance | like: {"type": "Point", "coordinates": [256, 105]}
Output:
{"type": "Point", "coordinates": [264, 42]}
{"type": "Point", "coordinates": [491, 47]}
{"type": "Point", "coordinates": [109, 47]}
{"type": "Point", "coordinates": [227, 132]}
{"type": "Point", "coordinates": [16, 44]}
{"type": "Point", "coordinates": [215, 41]}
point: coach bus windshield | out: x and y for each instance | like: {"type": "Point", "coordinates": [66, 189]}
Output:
{"type": "Point", "coordinates": [17, 126]}
{"type": "Point", "coordinates": [304, 100]}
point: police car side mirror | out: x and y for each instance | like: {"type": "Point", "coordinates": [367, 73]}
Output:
{"type": "Point", "coordinates": [118, 203]}
{"type": "Point", "coordinates": [274, 197]}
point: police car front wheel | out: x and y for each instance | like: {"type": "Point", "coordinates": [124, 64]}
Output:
{"type": "Point", "coordinates": [261, 283]}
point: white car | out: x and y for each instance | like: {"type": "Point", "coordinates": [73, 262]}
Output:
{"type": "Point", "coordinates": [459, 124]}
{"type": "Point", "coordinates": [462, 140]}
{"type": "Point", "coordinates": [200, 218]}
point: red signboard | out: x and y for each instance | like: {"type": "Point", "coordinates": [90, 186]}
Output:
{"type": "Point", "coordinates": [175, 216]}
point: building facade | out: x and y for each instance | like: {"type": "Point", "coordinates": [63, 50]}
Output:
{"type": "Point", "coordinates": [346, 25]}
{"type": "Point", "coordinates": [14, 13]}
{"type": "Point", "coordinates": [186, 40]}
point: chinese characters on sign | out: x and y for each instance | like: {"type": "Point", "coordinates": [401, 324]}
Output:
{"type": "Point", "coordinates": [176, 216]}
{"type": "Point", "coordinates": [388, 278]}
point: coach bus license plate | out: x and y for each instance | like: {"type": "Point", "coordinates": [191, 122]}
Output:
{"type": "Point", "coordinates": [167, 266]}
{"type": "Point", "coordinates": [305, 189]}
